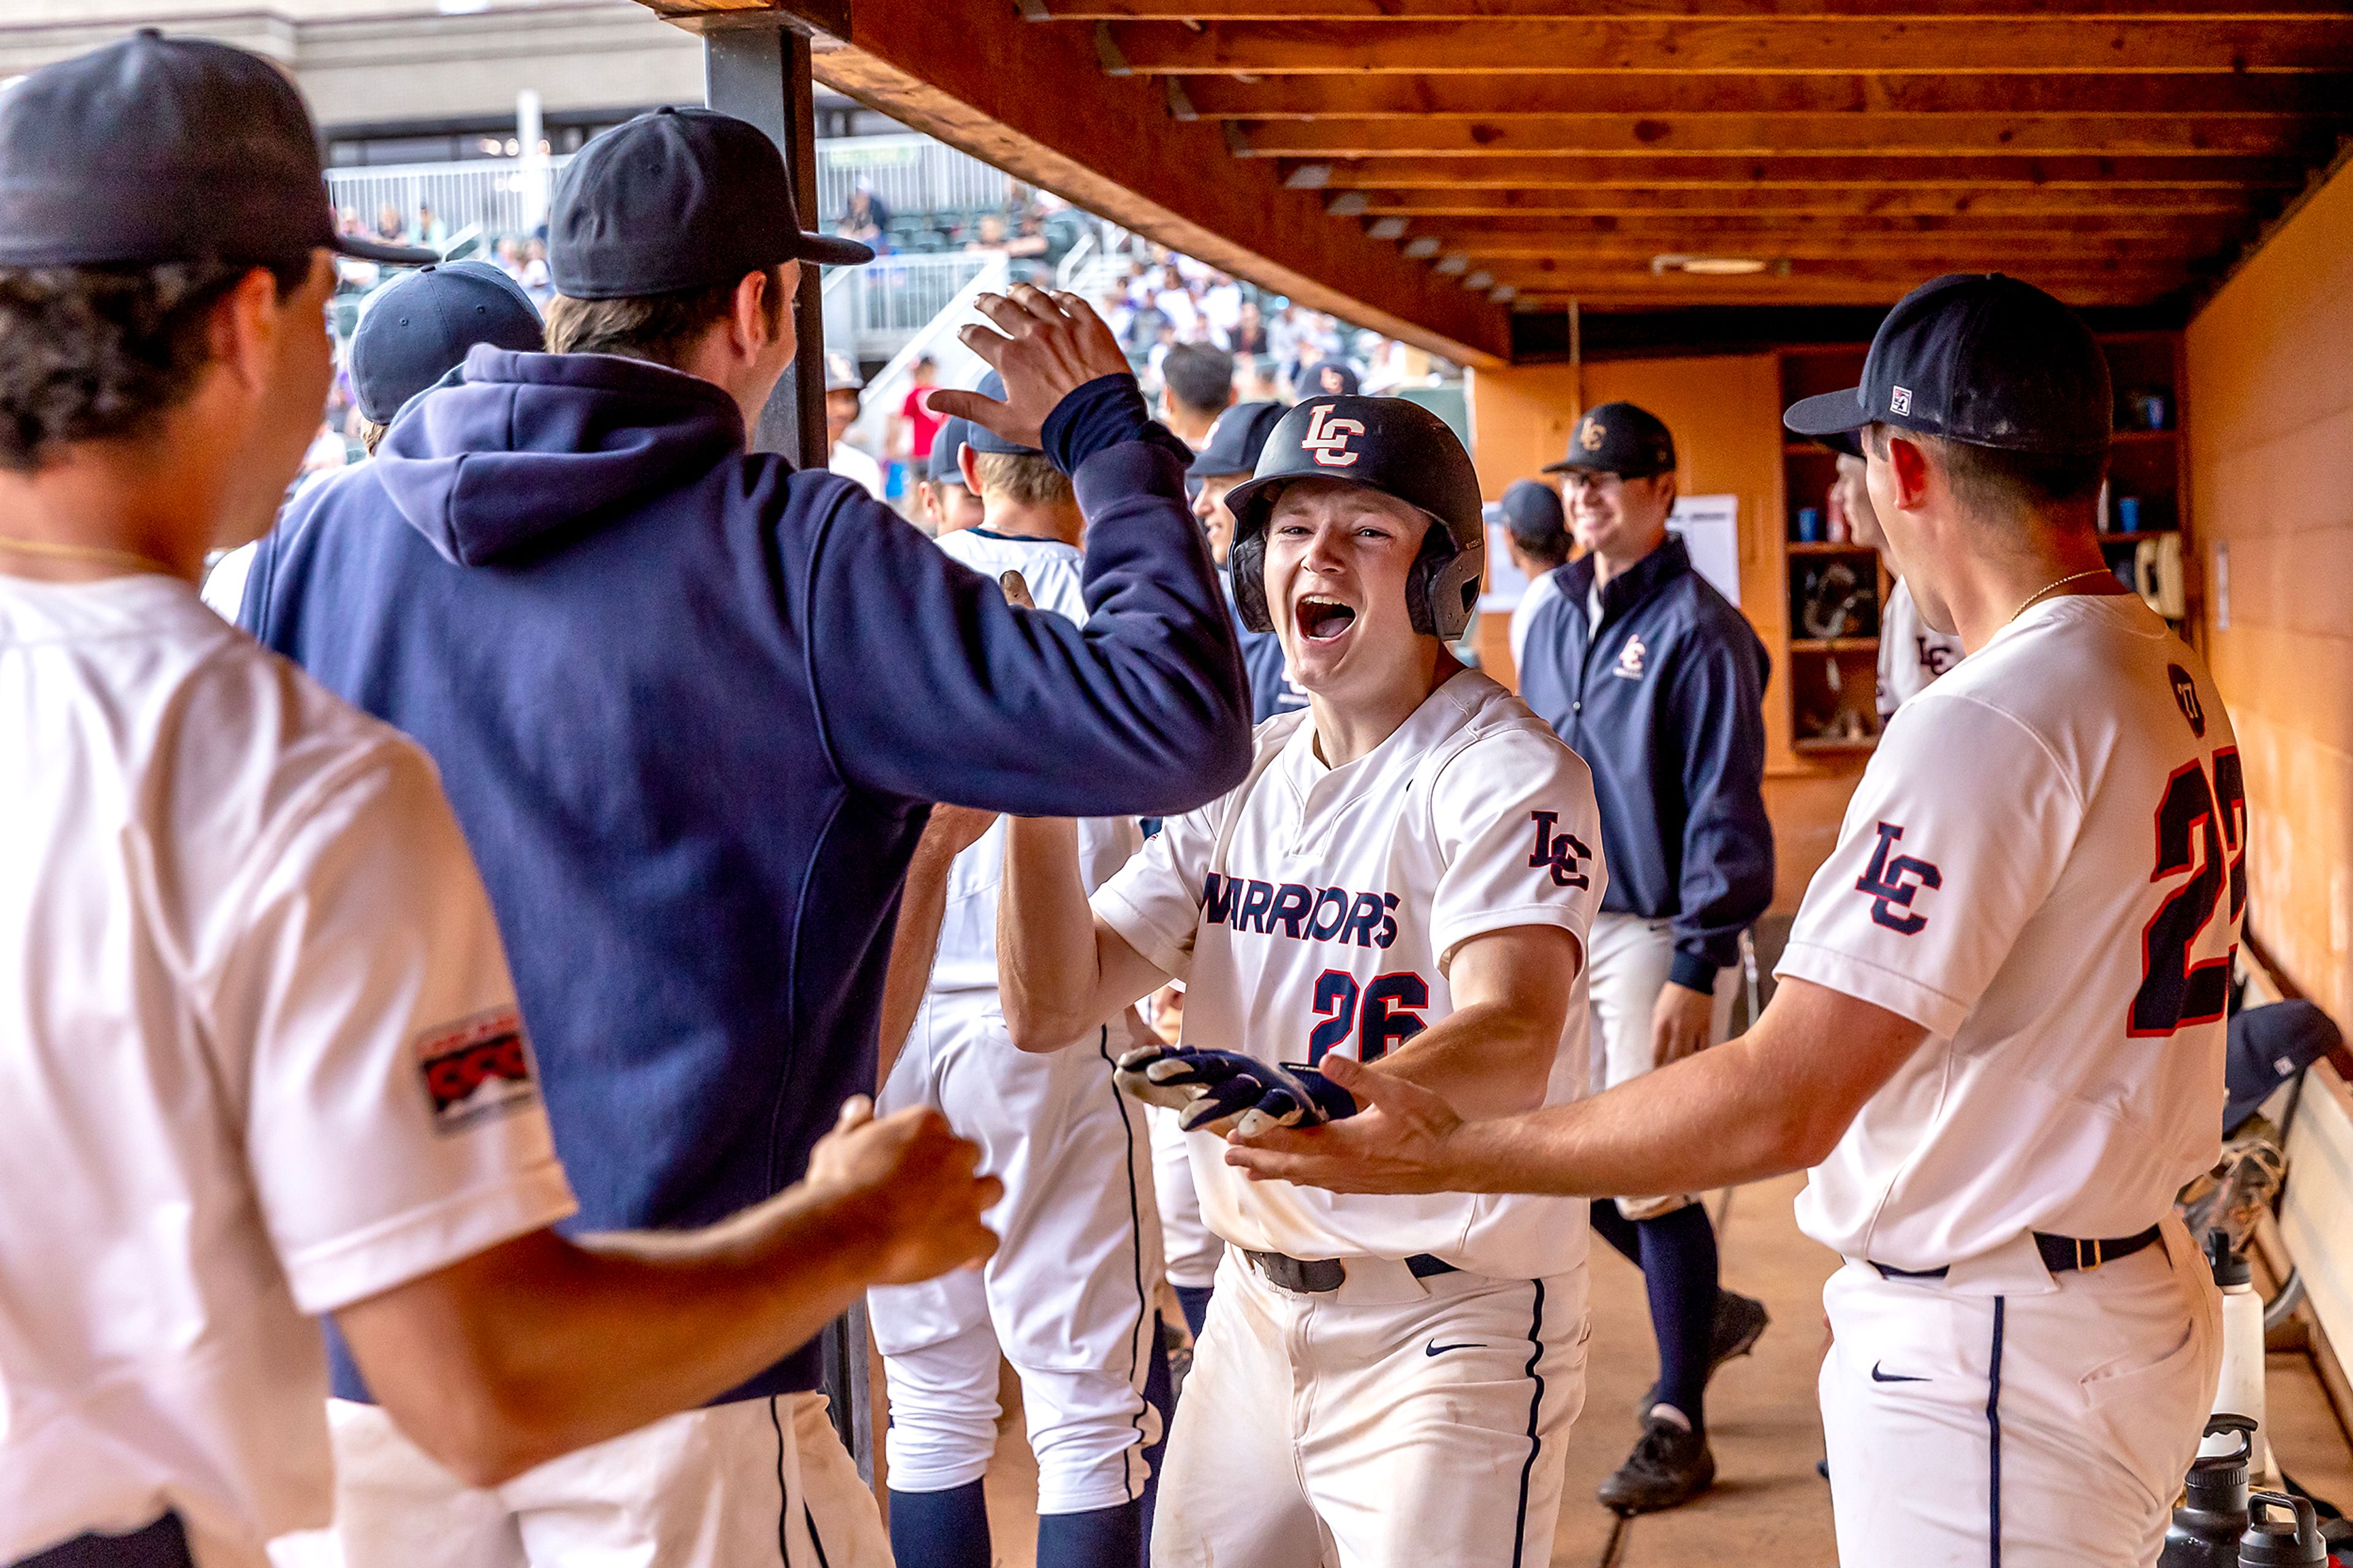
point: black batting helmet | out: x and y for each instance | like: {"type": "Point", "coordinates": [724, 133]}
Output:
{"type": "Point", "coordinates": [1385, 444]}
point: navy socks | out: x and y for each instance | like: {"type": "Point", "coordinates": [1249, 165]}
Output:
{"type": "Point", "coordinates": [1679, 1271]}
{"type": "Point", "coordinates": [940, 1530]}
{"type": "Point", "coordinates": [1106, 1538]}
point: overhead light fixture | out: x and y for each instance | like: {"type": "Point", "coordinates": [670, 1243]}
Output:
{"type": "Point", "coordinates": [1717, 265]}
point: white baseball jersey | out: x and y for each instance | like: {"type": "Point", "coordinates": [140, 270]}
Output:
{"type": "Point", "coordinates": [1314, 909]}
{"type": "Point", "coordinates": [2043, 866]}
{"type": "Point", "coordinates": [262, 1060]}
{"type": "Point", "coordinates": [1912, 653]}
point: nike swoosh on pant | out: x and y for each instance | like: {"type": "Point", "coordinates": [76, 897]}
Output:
{"type": "Point", "coordinates": [1879, 1376]}
{"type": "Point", "coordinates": [1437, 1348]}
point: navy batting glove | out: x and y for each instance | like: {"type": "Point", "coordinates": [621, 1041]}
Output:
{"type": "Point", "coordinates": [1220, 1091]}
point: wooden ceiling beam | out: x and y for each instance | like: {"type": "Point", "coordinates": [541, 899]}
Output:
{"type": "Point", "coordinates": [1506, 97]}
{"type": "Point", "coordinates": [2220, 206]}
{"type": "Point", "coordinates": [1798, 172]}
{"type": "Point", "coordinates": [1906, 46]}
{"type": "Point", "coordinates": [1853, 135]}
{"type": "Point", "coordinates": [1987, 252]}
{"type": "Point", "coordinates": [1378, 11]}
{"type": "Point", "coordinates": [2092, 227]}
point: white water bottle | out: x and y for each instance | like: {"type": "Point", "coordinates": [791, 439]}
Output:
{"type": "Point", "coordinates": [2241, 1389]}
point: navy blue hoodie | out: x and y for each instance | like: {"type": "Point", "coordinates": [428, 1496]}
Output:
{"type": "Point", "coordinates": [1665, 701]}
{"type": "Point", "coordinates": [691, 707]}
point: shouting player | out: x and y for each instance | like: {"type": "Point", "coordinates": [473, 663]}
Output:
{"type": "Point", "coordinates": [1406, 878]}
{"type": "Point", "coordinates": [1999, 1038]}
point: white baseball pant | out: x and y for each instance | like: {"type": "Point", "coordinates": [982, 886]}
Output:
{"type": "Point", "coordinates": [1192, 1247]}
{"type": "Point", "coordinates": [1627, 966]}
{"type": "Point", "coordinates": [751, 1481]}
{"type": "Point", "coordinates": [1395, 1423]}
{"type": "Point", "coordinates": [2023, 1431]}
{"type": "Point", "coordinates": [1067, 1298]}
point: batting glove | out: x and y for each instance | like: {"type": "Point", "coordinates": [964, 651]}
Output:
{"type": "Point", "coordinates": [1224, 1092]}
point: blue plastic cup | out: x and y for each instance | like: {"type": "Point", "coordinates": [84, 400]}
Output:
{"type": "Point", "coordinates": [1809, 525]}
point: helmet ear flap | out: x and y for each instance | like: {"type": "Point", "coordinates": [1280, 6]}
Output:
{"type": "Point", "coordinates": [1443, 584]}
{"type": "Point", "coordinates": [1246, 562]}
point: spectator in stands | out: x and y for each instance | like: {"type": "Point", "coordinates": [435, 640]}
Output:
{"type": "Point", "coordinates": [1249, 337]}
{"type": "Point", "coordinates": [389, 227]}
{"type": "Point", "coordinates": [509, 257]}
{"type": "Point", "coordinates": [867, 221]}
{"type": "Point", "coordinates": [535, 281]}
{"type": "Point", "coordinates": [431, 232]}
{"type": "Point", "coordinates": [1222, 309]}
{"type": "Point", "coordinates": [989, 234]}
{"type": "Point", "coordinates": [842, 385]}
{"type": "Point", "coordinates": [1535, 532]}
{"type": "Point", "coordinates": [1329, 378]}
{"type": "Point", "coordinates": [915, 427]}
{"type": "Point", "coordinates": [1197, 384]}
{"type": "Point", "coordinates": [1175, 301]}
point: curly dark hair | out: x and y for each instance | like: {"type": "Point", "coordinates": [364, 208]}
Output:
{"type": "Point", "coordinates": [91, 354]}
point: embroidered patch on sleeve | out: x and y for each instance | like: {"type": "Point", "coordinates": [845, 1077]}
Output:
{"type": "Point", "coordinates": [475, 1069]}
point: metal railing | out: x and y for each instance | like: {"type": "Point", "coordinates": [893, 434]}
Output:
{"type": "Point", "coordinates": [937, 338]}
{"type": "Point", "coordinates": [911, 175]}
{"type": "Point", "coordinates": [497, 196]}
{"type": "Point", "coordinates": [872, 311]}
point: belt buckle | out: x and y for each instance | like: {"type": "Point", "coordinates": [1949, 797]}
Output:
{"type": "Point", "coordinates": [2082, 1267]}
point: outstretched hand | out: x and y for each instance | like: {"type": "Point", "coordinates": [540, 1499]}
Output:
{"type": "Point", "coordinates": [1046, 346]}
{"type": "Point", "coordinates": [1400, 1140]}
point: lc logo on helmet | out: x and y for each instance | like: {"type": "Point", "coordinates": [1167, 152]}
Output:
{"type": "Point", "coordinates": [1328, 438]}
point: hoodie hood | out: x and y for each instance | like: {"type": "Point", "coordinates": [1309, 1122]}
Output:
{"type": "Point", "coordinates": [519, 448]}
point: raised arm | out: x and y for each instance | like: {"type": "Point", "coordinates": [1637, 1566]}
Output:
{"type": "Point", "coordinates": [1774, 1100]}
{"type": "Point", "coordinates": [540, 1345]}
{"type": "Point", "coordinates": [930, 686]}
{"type": "Point", "coordinates": [1060, 971]}
{"type": "Point", "coordinates": [915, 941]}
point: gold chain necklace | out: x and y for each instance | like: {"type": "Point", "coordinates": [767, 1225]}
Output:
{"type": "Point", "coordinates": [95, 554]}
{"type": "Point", "coordinates": [2045, 592]}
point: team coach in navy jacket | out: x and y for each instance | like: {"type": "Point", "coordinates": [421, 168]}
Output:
{"type": "Point", "coordinates": [691, 706]}
{"type": "Point", "coordinates": [1658, 683]}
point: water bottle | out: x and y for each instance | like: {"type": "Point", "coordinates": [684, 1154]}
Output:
{"type": "Point", "coordinates": [2270, 1542]}
{"type": "Point", "coordinates": [2212, 1517]}
{"type": "Point", "coordinates": [2241, 1389]}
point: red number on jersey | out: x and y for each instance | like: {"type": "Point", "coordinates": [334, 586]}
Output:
{"type": "Point", "coordinates": [2195, 819]}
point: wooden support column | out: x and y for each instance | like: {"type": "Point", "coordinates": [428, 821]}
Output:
{"type": "Point", "coordinates": [759, 70]}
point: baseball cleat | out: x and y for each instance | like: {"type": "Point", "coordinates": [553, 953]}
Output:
{"type": "Point", "coordinates": [1668, 1467]}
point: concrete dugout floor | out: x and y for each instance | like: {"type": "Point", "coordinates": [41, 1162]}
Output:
{"type": "Point", "coordinates": [1768, 1505]}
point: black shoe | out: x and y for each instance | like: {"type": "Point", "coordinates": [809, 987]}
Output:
{"type": "Point", "coordinates": [1667, 1469]}
{"type": "Point", "coordinates": [1739, 1324]}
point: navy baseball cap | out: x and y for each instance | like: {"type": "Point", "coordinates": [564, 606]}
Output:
{"type": "Point", "coordinates": [946, 442]}
{"type": "Point", "coordinates": [2269, 1045]}
{"type": "Point", "coordinates": [154, 150]}
{"type": "Point", "coordinates": [981, 438]}
{"type": "Point", "coordinates": [416, 331]}
{"type": "Point", "coordinates": [1236, 440]}
{"type": "Point", "coordinates": [1979, 358]}
{"type": "Point", "coordinates": [1313, 384]}
{"type": "Point", "coordinates": [678, 199]}
{"type": "Point", "coordinates": [1619, 438]}
{"type": "Point", "coordinates": [1532, 512]}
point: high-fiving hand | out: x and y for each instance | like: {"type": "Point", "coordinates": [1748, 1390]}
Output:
{"type": "Point", "coordinates": [1402, 1141]}
{"type": "Point", "coordinates": [915, 1187]}
{"type": "Point", "coordinates": [1046, 346]}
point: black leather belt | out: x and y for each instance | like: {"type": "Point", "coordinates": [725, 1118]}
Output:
{"type": "Point", "coordinates": [1315, 1276]}
{"type": "Point", "coordinates": [2061, 1254]}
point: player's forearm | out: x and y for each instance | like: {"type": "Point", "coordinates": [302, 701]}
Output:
{"type": "Point", "coordinates": [550, 1345]}
{"type": "Point", "coordinates": [1049, 971]}
{"type": "Point", "coordinates": [915, 945]}
{"type": "Point", "coordinates": [1489, 1059]}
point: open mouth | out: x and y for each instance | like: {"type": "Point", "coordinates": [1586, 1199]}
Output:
{"type": "Point", "coordinates": [1321, 619]}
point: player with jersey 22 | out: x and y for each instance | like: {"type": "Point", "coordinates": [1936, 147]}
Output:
{"type": "Point", "coordinates": [1999, 1036]}
{"type": "Point", "coordinates": [1406, 878]}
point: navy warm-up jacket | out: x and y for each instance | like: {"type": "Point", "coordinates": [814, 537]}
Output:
{"type": "Point", "coordinates": [1665, 701]}
{"type": "Point", "coordinates": [691, 706]}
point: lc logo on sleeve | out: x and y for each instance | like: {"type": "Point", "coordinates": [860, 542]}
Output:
{"type": "Point", "coordinates": [1328, 438]}
{"type": "Point", "coordinates": [1560, 853]}
{"type": "Point", "coordinates": [1883, 881]}
{"type": "Point", "coordinates": [475, 1069]}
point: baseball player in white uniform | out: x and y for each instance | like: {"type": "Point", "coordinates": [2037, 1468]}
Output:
{"type": "Point", "coordinates": [1912, 653]}
{"type": "Point", "coordinates": [1406, 878]}
{"type": "Point", "coordinates": [1998, 1036]}
{"type": "Point", "coordinates": [1068, 1300]}
{"type": "Point", "coordinates": [263, 1062]}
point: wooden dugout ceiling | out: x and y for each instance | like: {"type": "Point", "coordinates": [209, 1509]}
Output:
{"type": "Point", "coordinates": [1523, 154]}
